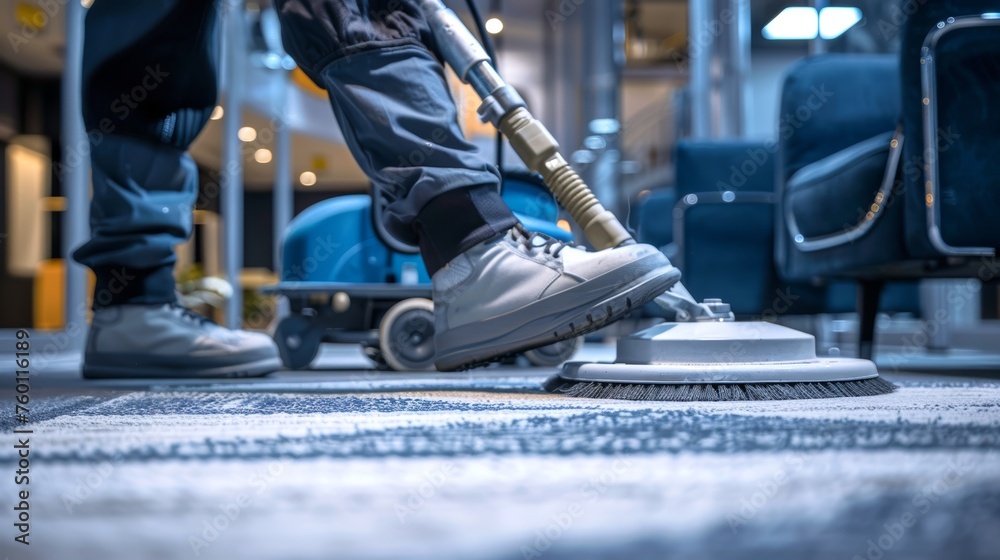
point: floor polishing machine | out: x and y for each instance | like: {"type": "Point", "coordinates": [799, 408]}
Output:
{"type": "Point", "coordinates": [702, 353]}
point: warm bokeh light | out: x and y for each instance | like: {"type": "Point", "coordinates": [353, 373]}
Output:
{"type": "Point", "coordinates": [308, 178]}
{"type": "Point", "coordinates": [494, 26]}
{"type": "Point", "coordinates": [247, 134]}
{"type": "Point", "coordinates": [262, 155]}
{"type": "Point", "coordinates": [217, 113]}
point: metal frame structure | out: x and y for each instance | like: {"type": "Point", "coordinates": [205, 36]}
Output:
{"type": "Point", "coordinates": [234, 76]}
{"type": "Point", "coordinates": [76, 181]}
{"type": "Point", "coordinates": [700, 80]}
{"type": "Point", "coordinates": [928, 80]}
{"type": "Point", "coordinates": [718, 104]}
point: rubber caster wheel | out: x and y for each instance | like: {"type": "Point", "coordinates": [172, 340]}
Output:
{"type": "Point", "coordinates": [406, 335]}
{"type": "Point", "coordinates": [554, 354]}
{"type": "Point", "coordinates": [298, 341]}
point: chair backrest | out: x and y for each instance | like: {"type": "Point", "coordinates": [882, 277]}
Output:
{"type": "Point", "coordinates": [830, 102]}
{"type": "Point", "coordinates": [966, 61]}
{"type": "Point", "coordinates": [727, 223]}
{"type": "Point", "coordinates": [724, 165]}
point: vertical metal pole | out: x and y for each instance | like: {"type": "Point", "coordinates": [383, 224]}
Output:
{"type": "Point", "coordinates": [234, 67]}
{"type": "Point", "coordinates": [283, 195]}
{"type": "Point", "coordinates": [551, 73]}
{"type": "Point", "coordinates": [567, 64]}
{"type": "Point", "coordinates": [818, 45]}
{"type": "Point", "coordinates": [700, 42]}
{"type": "Point", "coordinates": [76, 177]}
{"type": "Point", "coordinates": [739, 65]}
{"type": "Point", "coordinates": [604, 30]}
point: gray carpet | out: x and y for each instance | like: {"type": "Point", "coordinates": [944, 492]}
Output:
{"type": "Point", "coordinates": [359, 465]}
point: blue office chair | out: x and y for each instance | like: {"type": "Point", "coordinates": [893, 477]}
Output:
{"type": "Point", "coordinates": [889, 169]}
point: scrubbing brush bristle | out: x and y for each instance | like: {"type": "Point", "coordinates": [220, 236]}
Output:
{"type": "Point", "coordinates": [719, 391]}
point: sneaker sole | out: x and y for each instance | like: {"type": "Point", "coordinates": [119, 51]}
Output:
{"type": "Point", "coordinates": [561, 324]}
{"type": "Point", "coordinates": [250, 369]}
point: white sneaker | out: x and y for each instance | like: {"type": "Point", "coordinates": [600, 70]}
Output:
{"type": "Point", "coordinates": [525, 290]}
{"type": "Point", "coordinates": [168, 340]}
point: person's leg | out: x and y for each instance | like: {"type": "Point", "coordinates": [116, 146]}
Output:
{"type": "Point", "coordinates": [394, 107]}
{"type": "Point", "coordinates": [497, 289]}
{"type": "Point", "coordinates": [149, 87]}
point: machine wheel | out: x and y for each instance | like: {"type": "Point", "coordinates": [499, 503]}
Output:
{"type": "Point", "coordinates": [298, 341]}
{"type": "Point", "coordinates": [406, 335]}
{"type": "Point", "coordinates": [554, 354]}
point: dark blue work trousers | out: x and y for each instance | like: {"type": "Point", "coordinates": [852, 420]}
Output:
{"type": "Point", "coordinates": [150, 83]}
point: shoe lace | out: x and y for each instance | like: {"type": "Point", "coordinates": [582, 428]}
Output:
{"type": "Point", "coordinates": [551, 245]}
{"type": "Point", "coordinates": [195, 318]}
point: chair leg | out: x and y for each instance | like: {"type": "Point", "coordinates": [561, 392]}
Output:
{"type": "Point", "coordinates": [869, 293]}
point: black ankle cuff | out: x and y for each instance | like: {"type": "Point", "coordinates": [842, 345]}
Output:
{"type": "Point", "coordinates": [118, 285]}
{"type": "Point", "coordinates": [455, 221]}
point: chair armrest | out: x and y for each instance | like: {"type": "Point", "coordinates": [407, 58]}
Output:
{"type": "Point", "coordinates": [820, 170]}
